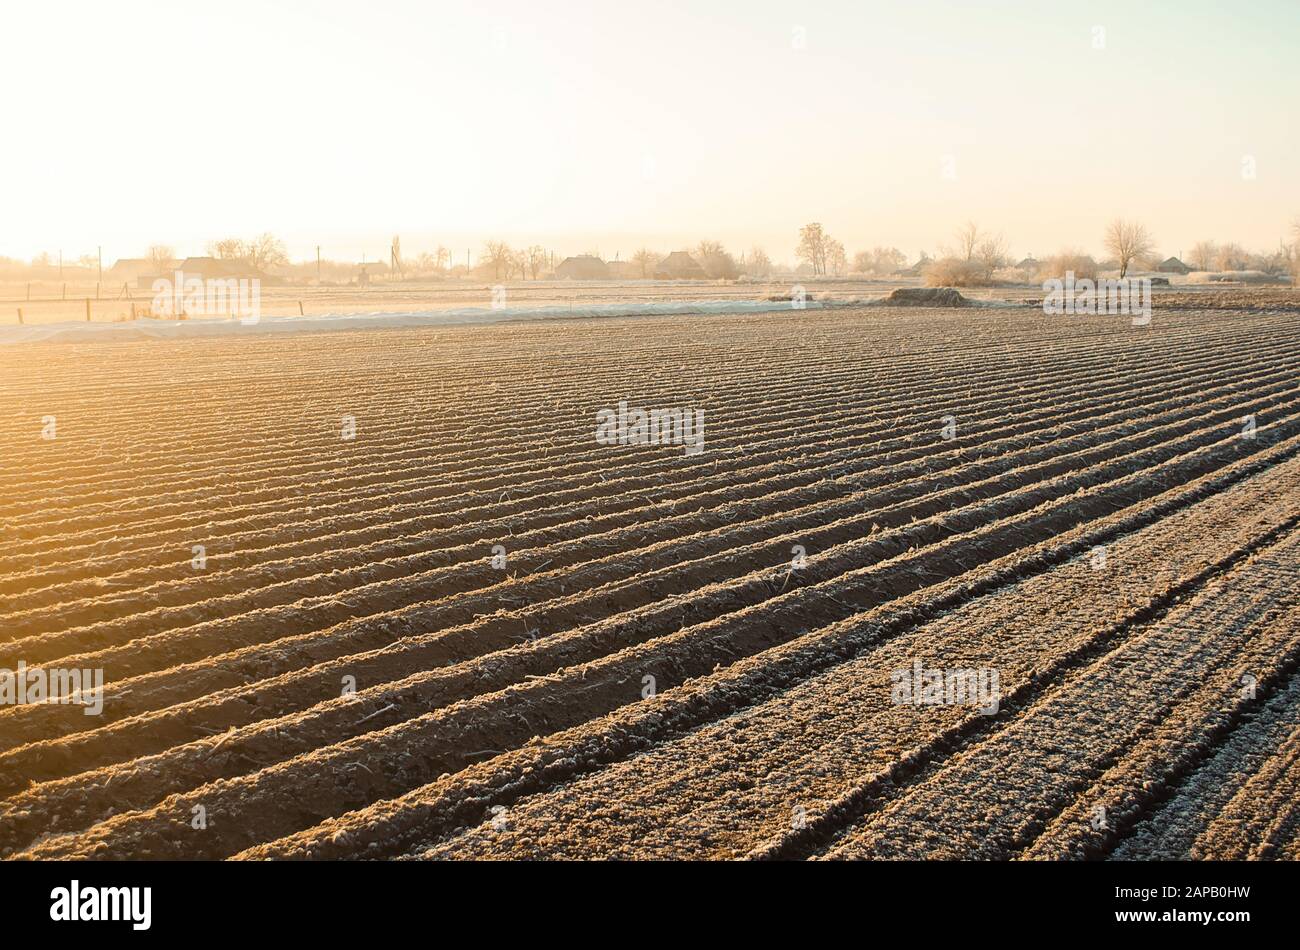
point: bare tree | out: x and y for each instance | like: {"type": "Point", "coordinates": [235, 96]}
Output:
{"type": "Point", "coordinates": [1277, 263]}
{"type": "Point", "coordinates": [706, 250]}
{"type": "Point", "coordinates": [968, 241]}
{"type": "Point", "coordinates": [264, 252]}
{"type": "Point", "coordinates": [1203, 255]}
{"type": "Point", "coordinates": [261, 253]}
{"type": "Point", "coordinates": [991, 254]}
{"type": "Point", "coordinates": [887, 260]}
{"type": "Point", "coordinates": [812, 247]}
{"type": "Point", "coordinates": [837, 261]}
{"type": "Point", "coordinates": [1128, 241]}
{"type": "Point", "coordinates": [971, 262]}
{"type": "Point", "coordinates": [160, 258]}
{"type": "Point", "coordinates": [535, 259]}
{"type": "Point", "coordinates": [498, 256]}
{"type": "Point", "coordinates": [647, 260]}
{"type": "Point", "coordinates": [717, 263]}
{"type": "Point", "coordinates": [1231, 256]}
{"type": "Point", "coordinates": [227, 249]}
{"type": "Point", "coordinates": [879, 261]}
{"type": "Point", "coordinates": [1293, 252]}
{"type": "Point", "coordinates": [759, 264]}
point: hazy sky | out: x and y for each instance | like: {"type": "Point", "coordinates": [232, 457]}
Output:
{"type": "Point", "coordinates": [608, 125]}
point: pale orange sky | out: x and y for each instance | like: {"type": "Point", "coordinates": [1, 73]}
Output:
{"type": "Point", "coordinates": [609, 126]}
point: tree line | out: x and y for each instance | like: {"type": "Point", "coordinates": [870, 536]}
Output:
{"type": "Point", "coordinates": [972, 259]}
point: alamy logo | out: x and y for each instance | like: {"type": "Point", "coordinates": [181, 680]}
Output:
{"type": "Point", "coordinates": [75, 902]}
{"type": "Point", "coordinates": [1131, 296]}
{"type": "Point", "coordinates": [635, 426]}
{"type": "Point", "coordinates": [40, 685]}
{"type": "Point", "coordinates": [918, 685]}
{"type": "Point", "coordinates": [214, 297]}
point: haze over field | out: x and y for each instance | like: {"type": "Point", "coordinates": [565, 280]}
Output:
{"type": "Point", "coordinates": [605, 127]}
{"type": "Point", "coordinates": [716, 431]}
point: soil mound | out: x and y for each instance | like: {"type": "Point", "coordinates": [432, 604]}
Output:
{"type": "Point", "coordinates": [926, 297]}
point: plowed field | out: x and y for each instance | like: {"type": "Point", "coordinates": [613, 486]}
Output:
{"type": "Point", "coordinates": [385, 595]}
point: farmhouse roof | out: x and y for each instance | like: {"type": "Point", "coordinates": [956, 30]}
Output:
{"type": "Point", "coordinates": [582, 267]}
{"type": "Point", "coordinates": [214, 268]}
{"type": "Point", "coordinates": [135, 265]}
{"type": "Point", "coordinates": [680, 264]}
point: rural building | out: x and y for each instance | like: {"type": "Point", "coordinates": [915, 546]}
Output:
{"type": "Point", "coordinates": [624, 270]}
{"type": "Point", "coordinates": [917, 269]}
{"type": "Point", "coordinates": [215, 268]}
{"type": "Point", "coordinates": [582, 267]}
{"type": "Point", "coordinates": [128, 269]}
{"type": "Point", "coordinates": [1028, 264]}
{"type": "Point", "coordinates": [1173, 265]}
{"type": "Point", "coordinates": [202, 268]}
{"type": "Point", "coordinates": [679, 265]}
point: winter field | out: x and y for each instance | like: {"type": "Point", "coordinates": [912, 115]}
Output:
{"type": "Point", "coordinates": [44, 304]}
{"type": "Point", "coordinates": [47, 303]}
{"type": "Point", "coordinates": [924, 583]}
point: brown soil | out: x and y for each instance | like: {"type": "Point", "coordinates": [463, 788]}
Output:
{"type": "Point", "coordinates": [948, 480]}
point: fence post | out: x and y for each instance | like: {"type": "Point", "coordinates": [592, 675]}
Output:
{"type": "Point", "coordinates": [87, 309]}
{"type": "Point", "coordinates": [20, 316]}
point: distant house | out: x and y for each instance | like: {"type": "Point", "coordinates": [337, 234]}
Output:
{"type": "Point", "coordinates": [917, 269]}
{"type": "Point", "coordinates": [128, 269]}
{"type": "Point", "coordinates": [679, 265]}
{"type": "Point", "coordinates": [1173, 265]}
{"type": "Point", "coordinates": [1028, 264]}
{"type": "Point", "coordinates": [624, 270]}
{"type": "Point", "coordinates": [215, 268]}
{"type": "Point", "coordinates": [201, 268]}
{"type": "Point", "coordinates": [582, 267]}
